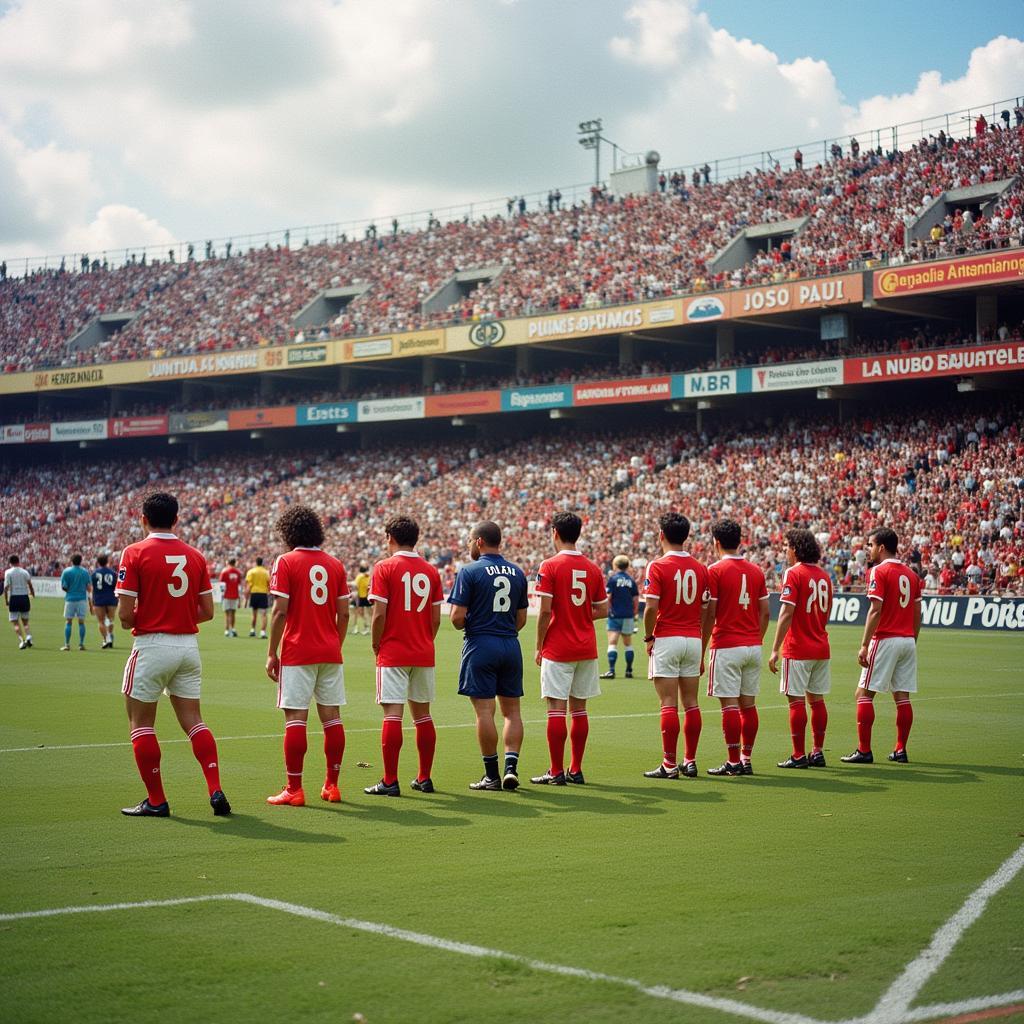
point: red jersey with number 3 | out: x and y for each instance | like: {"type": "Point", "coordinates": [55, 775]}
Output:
{"type": "Point", "coordinates": [574, 583]}
{"type": "Point", "coordinates": [410, 586]}
{"type": "Point", "coordinates": [166, 577]}
{"type": "Point", "coordinates": [312, 581]}
{"type": "Point", "coordinates": [231, 578]}
{"type": "Point", "coordinates": [898, 589]}
{"type": "Point", "coordinates": [808, 589]}
{"type": "Point", "coordinates": [680, 583]}
{"type": "Point", "coordinates": [738, 586]}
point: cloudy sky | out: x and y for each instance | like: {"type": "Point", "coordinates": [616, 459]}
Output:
{"type": "Point", "coordinates": [131, 123]}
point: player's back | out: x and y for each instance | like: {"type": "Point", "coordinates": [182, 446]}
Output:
{"type": "Point", "coordinates": [493, 591]}
{"type": "Point", "coordinates": [574, 583]}
{"type": "Point", "coordinates": [808, 588]}
{"type": "Point", "coordinates": [103, 580]}
{"type": "Point", "coordinates": [231, 577]}
{"type": "Point", "coordinates": [898, 589]}
{"type": "Point", "coordinates": [680, 583]}
{"type": "Point", "coordinates": [737, 586]}
{"type": "Point", "coordinates": [257, 579]}
{"type": "Point", "coordinates": [312, 581]}
{"type": "Point", "coordinates": [410, 587]}
{"type": "Point", "coordinates": [622, 591]}
{"type": "Point", "coordinates": [17, 580]}
{"type": "Point", "coordinates": [76, 582]}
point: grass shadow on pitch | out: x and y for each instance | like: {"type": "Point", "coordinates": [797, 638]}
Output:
{"type": "Point", "coordinates": [657, 791]}
{"type": "Point", "coordinates": [941, 770]}
{"type": "Point", "coordinates": [819, 779]}
{"type": "Point", "coordinates": [247, 826]}
{"type": "Point", "coordinates": [402, 811]}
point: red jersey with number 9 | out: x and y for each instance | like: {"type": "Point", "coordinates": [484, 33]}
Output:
{"type": "Point", "coordinates": [808, 589]}
{"type": "Point", "coordinates": [410, 587]}
{"type": "Point", "coordinates": [680, 583]}
{"type": "Point", "coordinates": [574, 583]}
{"type": "Point", "coordinates": [312, 581]}
{"type": "Point", "coordinates": [738, 586]}
{"type": "Point", "coordinates": [898, 589]}
{"type": "Point", "coordinates": [166, 576]}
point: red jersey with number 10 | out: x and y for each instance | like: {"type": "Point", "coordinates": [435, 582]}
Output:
{"type": "Point", "coordinates": [231, 578]}
{"type": "Point", "coordinates": [166, 576]}
{"type": "Point", "coordinates": [680, 583]}
{"type": "Point", "coordinates": [410, 586]}
{"type": "Point", "coordinates": [808, 589]}
{"type": "Point", "coordinates": [312, 581]}
{"type": "Point", "coordinates": [898, 589]}
{"type": "Point", "coordinates": [738, 586]}
{"type": "Point", "coordinates": [574, 583]}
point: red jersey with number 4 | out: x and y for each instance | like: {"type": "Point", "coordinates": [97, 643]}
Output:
{"type": "Point", "coordinates": [808, 589]}
{"type": "Point", "coordinates": [738, 586]}
{"type": "Point", "coordinates": [231, 578]}
{"type": "Point", "coordinates": [898, 589]}
{"type": "Point", "coordinates": [166, 576]}
{"type": "Point", "coordinates": [410, 586]}
{"type": "Point", "coordinates": [312, 581]}
{"type": "Point", "coordinates": [574, 583]}
{"type": "Point", "coordinates": [680, 583]}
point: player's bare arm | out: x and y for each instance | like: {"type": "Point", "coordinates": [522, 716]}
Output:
{"type": "Point", "coordinates": [781, 630]}
{"type": "Point", "coordinates": [874, 614]}
{"type": "Point", "coordinates": [126, 610]}
{"type": "Point", "coordinates": [650, 618]}
{"type": "Point", "coordinates": [521, 616]}
{"type": "Point", "coordinates": [599, 609]}
{"type": "Point", "coordinates": [707, 624]}
{"type": "Point", "coordinates": [764, 616]}
{"type": "Point", "coordinates": [343, 617]}
{"type": "Point", "coordinates": [458, 616]}
{"type": "Point", "coordinates": [917, 620]}
{"type": "Point", "coordinates": [435, 618]}
{"type": "Point", "coordinates": [277, 622]}
{"type": "Point", "coordinates": [205, 608]}
{"type": "Point", "coordinates": [380, 613]}
{"type": "Point", "coordinates": [543, 621]}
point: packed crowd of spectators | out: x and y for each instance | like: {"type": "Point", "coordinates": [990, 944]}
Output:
{"type": "Point", "coordinates": [612, 250]}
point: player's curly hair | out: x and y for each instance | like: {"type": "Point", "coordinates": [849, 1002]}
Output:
{"type": "Point", "coordinates": [805, 544]}
{"type": "Point", "coordinates": [675, 526]}
{"type": "Point", "coordinates": [568, 526]}
{"type": "Point", "coordinates": [300, 527]}
{"type": "Point", "coordinates": [403, 530]}
{"type": "Point", "coordinates": [728, 533]}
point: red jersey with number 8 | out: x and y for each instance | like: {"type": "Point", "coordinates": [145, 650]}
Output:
{"type": "Point", "coordinates": [166, 576]}
{"type": "Point", "coordinates": [410, 586]}
{"type": "Point", "coordinates": [574, 583]}
{"type": "Point", "coordinates": [808, 589]}
{"type": "Point", "coordinates": [738, 586]}
{"type": "Point", "coordinates": [898, 589]}
{"type": "Point", "coordinates": [680, 583]}
{"type": "Point", "coordinates": [312, 581]}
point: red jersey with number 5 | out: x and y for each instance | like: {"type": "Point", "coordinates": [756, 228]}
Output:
{"type": "Point", "coordinates": [680, 583]}
{"type": "Point", "coordinates": [898, 589]}
{"type": "Point", "coordinates": [312, 581]}
{"type": "Point", "coordinates": [166, 577]}
{"type": "Point", "coordinates": [808, 589]}
{"type": "Point", "coordinates": [738, 586]}
{"type": "Point", "coordinates": [410, 587]}
{"type": "Point", "coordinates": [574, 583]}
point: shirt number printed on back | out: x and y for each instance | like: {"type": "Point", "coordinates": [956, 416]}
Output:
{"type": "Point", "coordinates": [579, 586]}
{"type": "Point", "coordinates": [818, 592]}
{"type": "Point", "coordinates": [177, 573]}
{"type": "Point", "coordinates": [502, 594]}
{"type": "Point", "coordinates": [744, 598]}
{"type": "Point", "coordinates": [318, 584]}
{"type": "Point", "coordinates": [418, 585]}
{"type": "Point", "coordinates": [686, 586]}
{"type": "Point", "coordinates": [904, 591]}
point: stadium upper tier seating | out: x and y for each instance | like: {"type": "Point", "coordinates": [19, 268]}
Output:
{"type": "Point", "coordinates": [605, 252]}
{"type": "Point", "coordinates": [950, 483]}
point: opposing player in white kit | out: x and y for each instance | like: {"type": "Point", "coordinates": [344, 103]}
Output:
{"type": "Point", "coordinates": [17, 593]}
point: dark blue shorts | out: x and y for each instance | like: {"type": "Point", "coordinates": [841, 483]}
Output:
{"type": "Point", "coordinates": [105, 604]}
{"type": "Point", "coordinates": [492, 666]}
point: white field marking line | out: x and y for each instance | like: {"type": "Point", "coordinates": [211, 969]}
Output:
{"type": "Point", "coordinates": [937, 1010]}
{"type": "Point", "coordinates": [449, 725]}
{"type": "Point", "coordinates": [100, 907]}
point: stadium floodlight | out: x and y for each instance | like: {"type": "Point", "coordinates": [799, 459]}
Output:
{"type": "Point", "coordinates": [590, 138]}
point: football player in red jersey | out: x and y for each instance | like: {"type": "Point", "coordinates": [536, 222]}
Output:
{"type": "Point", "coordinates": [231, 577]}
{"type": "Point", "coordinates": [308, 626]}
{"type": "Point", "coordinates": [801, 637]}
{"type": "Point", "coordinates": [888, 652]}
{"type": "Point", "coordinates": [572, 595]}
{"type": "Point", "coordinates": [405, 590]}
{"type": "Point", "coordinates": [735, 622]}
{"type": "Point", "coordinates": [164, 592]}
{"type": "Point", "coordinates": [676, 593]}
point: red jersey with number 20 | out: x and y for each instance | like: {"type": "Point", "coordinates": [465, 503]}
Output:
{"type": "Point", "coordinates": [574, 583]}
{"type": "Point", "coordinates": [738, 586]}
{"type": "Point", "coordinates": [231, 578]}
{"type": "Point", "coordinates": [898, 589]}
{"type": "Point", "coordinates": [680, 583]}
{"type": "Point", "coordinates": [808, 589]}
{"type": "Point", "coordinates": [312, 581]}
{"type": "Point", "coordinates": [410, 586]}
{"type": "Point", "coordinates": [166, 576]}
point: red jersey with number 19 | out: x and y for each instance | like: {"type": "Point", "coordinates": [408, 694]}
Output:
{"type": "Point", "coordinates": [574, 583]}
{"type": "Point", "coordinates": [166, 576]}
{"type": "Point", "coordinates": [312, 581]}
{"type": "Point", "coordinates": [738, 586]}
{"type": "Point", "coordinates": [898, 589]}
{"type": "Point", "coordinates": [680, 583]}
{"type": "Point", "coordinates": [410, 586]}
{"type": "Point", "coordinates": [808, 589]}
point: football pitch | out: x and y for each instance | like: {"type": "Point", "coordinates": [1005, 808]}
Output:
{"type": "Point", "coordinates": [878, 893]}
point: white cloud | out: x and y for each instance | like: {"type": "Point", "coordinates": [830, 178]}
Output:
{"type": "Point", "coordinates": [117, 227]}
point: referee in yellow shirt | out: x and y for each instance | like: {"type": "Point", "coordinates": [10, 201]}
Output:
{"type": "Point", "coordinates": [362, 601]}
{"type": "Point", "coordinates": [257, 583]}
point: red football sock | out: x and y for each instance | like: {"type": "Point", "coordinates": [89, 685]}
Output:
{"type": "Point", "coordinates": [819, 722]}
{"type": "Point", "coordinates": [798, 726]}
{"type": "Point", "coordinates": [147, 757]}
{"type": "Point", "coordinates": [426, 743]}
{"type": "Point", "coordinates": [692, 723]}
{"type": "Point", "coordinates": [391, 747]}
{"type": "Point", "coordinates": [334, 749]}
{"type": "Point", "coordinates": [294, 752]}
{"type": "Point", "coordinates": [578, 733]}
{"type": "Point", "coordinates": [557, 734]}
{"type": "Point", "coordinates": [865, 720]}
{"type": "Point", "coordinates": [669, 735]}
{"type": "Point", "coordinates": [731, 731]}
{"type": "Point", "coordinates": [904, 720]}
{"type": "Point", "coordinates": [748, 726]}
{"type": "Point", "coordinates": [204, 746]}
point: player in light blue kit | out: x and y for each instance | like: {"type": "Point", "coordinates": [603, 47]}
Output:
{"type": "Point", "coordinates": [489, 601]}
{"type": "Point", "coordinates": [77, 586]}
{"type": "Point", "coordinates": [623, 598]}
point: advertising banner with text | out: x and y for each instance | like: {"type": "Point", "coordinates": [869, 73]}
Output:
{"type": "Point", "coordinates": [254, 419]}
{"type": "Point", "coordinates": [999, 356]}
{"type": "Point", "coordinates": [380, 409]}
{"type": "Point", "coordinates": [14, 433]}
{"type": "Point", "coordinates": [79, 430]}
{"type": "Point", "coordinates": [796, 295]}
{"type": "Point", "coordinates": [637, 389]}
{"type": "Point", "coordinates": [204, 422]}
{"type": "Point", "coordinates": [544, 396]}
{"type": "Point", "coordinates": [326, 412]}
{"type": "Point", "coordinates": [466, 404]}
{"type": "Point", "coordinates": [138, 426]}
{"type": "Point", "coordinates": [965, 272]}
{"type": "Point", "coordinates": [790, 376]}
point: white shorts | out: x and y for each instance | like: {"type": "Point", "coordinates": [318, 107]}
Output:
{"type": "Point", "coordinates": [674, 656]}
{"type": "Point", "coordinates": [892, 666]}
{"type": "Point", "coordinates": [801, 677]}
{"type": "Point", "coordinates": [76, 609]}
{"type": "Point", "coordinates": [163, 663]}
{"type": "Point", "coordinates": [230, 604]}
{"type": "Point", "coordinates": [299, 685]}
{"type": "Point", "coordinates": [397, 685]}
{"type": "Point", "coordinates": [734, 671]}
{"type": "Point", "coordinates": [564, 679]}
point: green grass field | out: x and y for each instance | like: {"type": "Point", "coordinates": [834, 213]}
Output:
{"type": "Point", "coordinates": [795, 893]}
